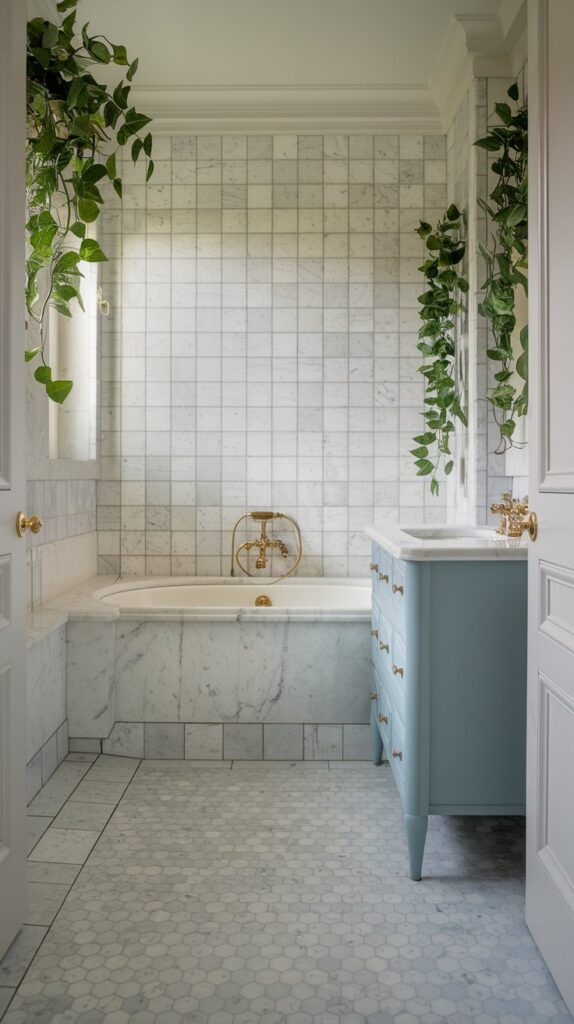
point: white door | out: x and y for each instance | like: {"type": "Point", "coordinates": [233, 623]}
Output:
{"type": "Point", "coordinates": [12, 474]}
{"type": "Point", "coordinates": [550, 786]}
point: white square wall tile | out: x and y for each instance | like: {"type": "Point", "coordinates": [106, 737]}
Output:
{"type": "Point", "coordinates": [323, 742]}
{"type": "Point", "coordinates": [203, 742]}
{"type": "Point", "coordinates": [282, 742]}
{"type": "Point", "coordinates": [242, 742]}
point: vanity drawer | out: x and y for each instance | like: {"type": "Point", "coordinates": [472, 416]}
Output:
{"type": "Point", "coordinates": [382, 650]}
{"type": "Point", "coordinates": [383, 712]}
{"type": "Point", "coordinates": [398, 595]}
{"type": "Point", "coordinates": [397, 749]}
{"type": "Point", "coordinates": [381, 568]}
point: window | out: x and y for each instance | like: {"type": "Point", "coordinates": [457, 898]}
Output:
{"type": "Point", "coordinates": [74, 356]}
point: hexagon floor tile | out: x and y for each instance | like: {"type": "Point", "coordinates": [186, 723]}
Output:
{"type": "Point", "coordinates": [276, 895]}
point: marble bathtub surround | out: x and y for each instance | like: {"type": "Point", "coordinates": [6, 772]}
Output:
{"type": "Point", "coordinates": [261, 350]}
{"type": "Point", "coordinates": [46, 712]}
{"type": "Point", "coordinates": [223, 850]}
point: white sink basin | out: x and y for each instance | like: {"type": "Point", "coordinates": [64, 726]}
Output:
{"type": "Point", "coordinates": [449, 532]}
{"type": "Point", "coordinates": [453, 541]}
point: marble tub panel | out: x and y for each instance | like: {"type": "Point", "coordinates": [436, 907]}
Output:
{"type": "Point", "coordinates": [149, 659]}
{"type": "Point", "coordinates": [45, 689]}
{"type": "Point", "coordinates": [90, 678]}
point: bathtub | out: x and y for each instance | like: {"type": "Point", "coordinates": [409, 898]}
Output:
{"type": "Point", "coordinates": [194, 668]}
{"type": "Point", "coordinates": [229, 598]}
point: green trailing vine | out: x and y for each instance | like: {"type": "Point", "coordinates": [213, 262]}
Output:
{"type": "Point", "coordinates": [75, 126]}
{"type": "Point", "coordinates": [506, 262]}
{"type": "Point", "coordinates": [440, 303]}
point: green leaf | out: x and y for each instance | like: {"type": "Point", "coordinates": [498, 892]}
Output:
{"type": "Point", "coordinates": [150, 170]}
{"type": "Point", "coordinates": [90, 251]}
{"type": "Point", "coordinates": [120, 55]}
{"type": "Point", "coordinates": [117, 184]}
{"type": "Point", "coordinates": [43, 374]}
{"type": "Point", "coordinates": [58, 390]}
{"type": "Point", "coordinates": [489, 143]}
{"type": "Point", "coordinates": [424, 467]}
{"type": "Point", "coordinates": [111, 166]}
{"type": "Point", "coordinates": [434, 486]}
{"type": "Point", "coordinates": [453, 213]}
{"type": "Point", "coordinates": [504, 112]}
{"type": "Point", "coordinates": [420, 453]}
{"type": "Point", "coordinates": [65, 5]}
{"type": "Point", "coordinates": [31, 353]}
{"type": "Point", "coordinates": [516, 214]}
{"type": "Point", "coordinates": [147, 144]}
{"type": "Point", "coordinates": [132, 70]}
{"type": "Point", "coordinates": [99, 52]}
{"type": "Point", "coordinates": [78, 229]}
{"type": "Point", "coordinates": [88, 210]}
{"type": "Point", "coordinates": [449, 466]}
{"type": "Point", "coordinates": [513, 92]}
{"type": "Point", "coordinates": [507, 428]}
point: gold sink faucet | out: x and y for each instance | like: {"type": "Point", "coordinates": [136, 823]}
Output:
{"type": "Point", "coordinates": [515, 518]}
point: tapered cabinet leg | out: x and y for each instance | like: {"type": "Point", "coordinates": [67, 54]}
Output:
{"type": "Point", "coordinates": [416, 833]}
{"type": "Point", "coordinates": [376, 741]}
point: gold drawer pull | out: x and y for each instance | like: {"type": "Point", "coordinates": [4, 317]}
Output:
{"type": "Point", "coordinates": [374, 632]}
{"type": "Point", "coordinates": [383, 718]}
{"type": "Point", "coordinates": [373, 567]}
{"type": "Point", "coordinates": [383, 646]}
{"type": "Point", "coordinates": [373, 696]}
{"type": "Point", "coordinates": [383, 576]}
{"type": "Point", "coordinates": [398, 589]}
{"type": "Point", "coordinates": [398, 753]}
{"type": "Point", "coordinates": [398, 671]}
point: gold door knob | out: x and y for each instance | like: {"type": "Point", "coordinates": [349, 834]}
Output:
{"type": "Point", "coordinates": [398, 671]}
{"type": "Point", "coordinates": [373, 567]}
{"type": "Point", "coordinates": [373, 696]}
{"type": "Point", "coordinates": [530, 525]}
{"type": "Point", "coordinates": [383, 646]}
{"type": "Point", "coordinates": [23, 523]}
{"type": "Point", "coordinates": [398, 753]}
{"type": "Point", "coordinates": [397, 589]}
{"type": "Point", "coordinates": [383, 718]}
{"type": "Point", "coordinates": [383, 577]}
{"type": "Point", "coordinates": [374, 632]}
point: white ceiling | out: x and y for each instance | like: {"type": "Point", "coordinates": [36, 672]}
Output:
{"type": "Point", "coordinates": [280, 42]}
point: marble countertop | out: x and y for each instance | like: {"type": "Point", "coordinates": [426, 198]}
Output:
{"type": "Point", "coordinates": [447, 543]}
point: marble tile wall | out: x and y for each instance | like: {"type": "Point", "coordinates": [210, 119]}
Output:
{"type": "Point", "coordinates": [262, 346]}
{"type": "Point", "coordinates": [46, 713]}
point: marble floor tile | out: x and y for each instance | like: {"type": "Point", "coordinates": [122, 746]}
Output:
{"type": "Point", "coordinates": [104, 792]}
{"type": "Point", "coordinates": [44, 901]}
{"type": "Point", "coordinates": [89, 815]}
{"type": "Point", "coordinates": [79, 756]}
{"type": "Point", "coordinates": [65, 845]}
{"type": "Point", "coordinates": [56, 874]}
{"type": "Point", "coordinates": [112, 769]}
{"type": "Point", "coordinates": [151, 764]}
{"type": "Point", "coordinates": [278, 893]}
{"type": "Point", "coordinates": [18, 958]}
{"type": "Point", "coordinates": [5, 997]}
{"type": "Point", "coordinates": [36, 825]}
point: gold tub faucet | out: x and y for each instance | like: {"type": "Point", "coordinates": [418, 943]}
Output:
{"type": "Point", "coordinates": [264, 544]}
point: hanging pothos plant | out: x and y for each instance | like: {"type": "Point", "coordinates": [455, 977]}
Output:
{"type": "Point", "coordinates": [440, 303]}
{"type": "Point", "coordinates": [74, 127]}
{"type": "Point", "coordinates": [506, 262]}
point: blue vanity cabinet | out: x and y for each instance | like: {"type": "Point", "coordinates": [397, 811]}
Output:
{"type": "Point", "coordinates": [448, 702]}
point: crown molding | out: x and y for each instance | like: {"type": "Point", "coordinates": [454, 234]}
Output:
{"type": "Point", "coordinates": [477, 46]}
{"type": "Point", "coordinates": [289, 109]}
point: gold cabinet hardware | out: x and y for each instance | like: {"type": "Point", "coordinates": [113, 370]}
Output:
{"type": "Point", "coordinates": [373, 696]}
{"type": "Point", "coordinates": [383, 718]}
{"type": "Point", "coordinates": [398, 671]}
{"type": "Point", "coordinates": [398, 753]}
{"type": "Point", "coordinates": [383, 646]}
{"type": "Point", "coordinates": [374, 632]}
{"type": "Point", "coordinates": [515, 519]}
{"type": "Point", "coordinates": [23, 523]}
{"type": "Point", "coordinates": [373, 567]}
{"type": "Point", "coordinates": [398, 589]}
{"type": "Point", "coordinates": [383, 576]}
